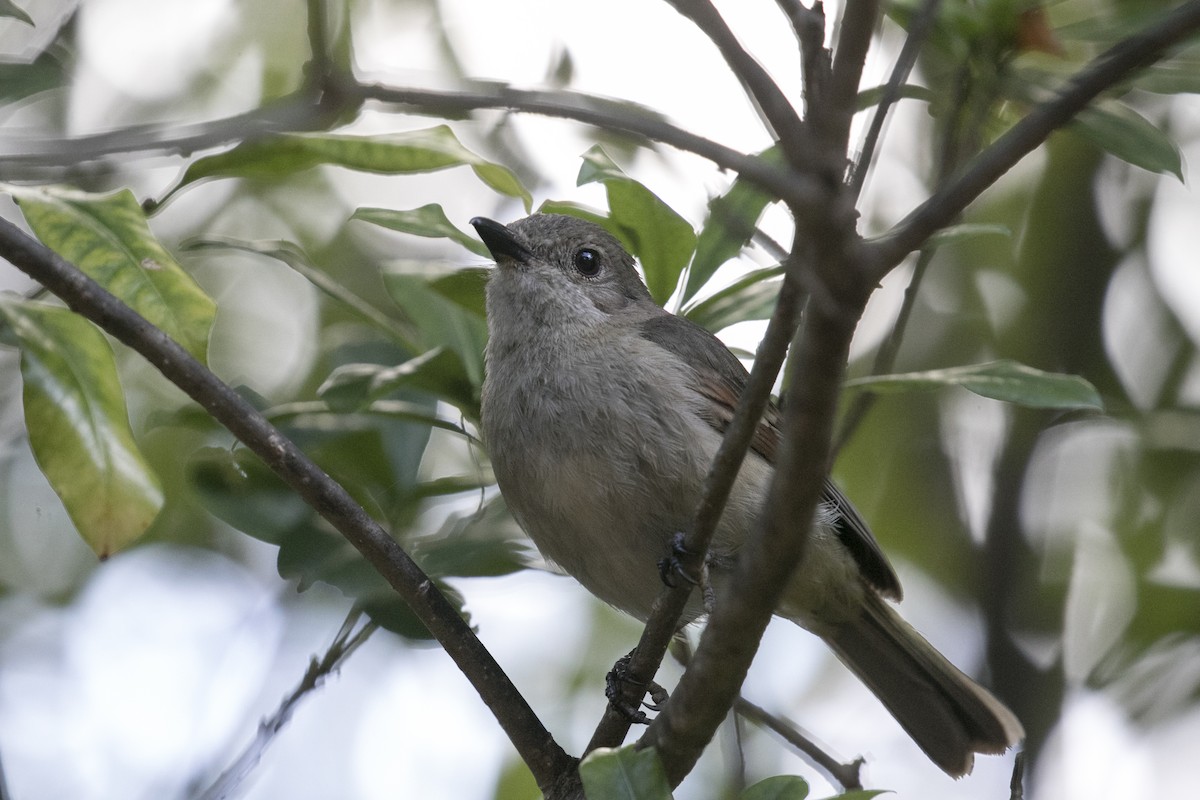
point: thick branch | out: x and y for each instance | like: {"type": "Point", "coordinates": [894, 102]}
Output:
{"type": "Point", "coordinates": [769, 556]}
{"type": "Point", "coordinates": [669, 605]}
{"type": "Point", "coordinates": [1113, 66]}
{"type": "Point", "coordinates": [84, 296]}
{"type": "Point", "coordinates": [857, 29]}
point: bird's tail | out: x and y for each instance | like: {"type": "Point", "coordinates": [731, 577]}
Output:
{"type": "Point", "coordinates": [946, 713]}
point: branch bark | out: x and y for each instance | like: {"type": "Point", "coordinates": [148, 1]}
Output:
{"type": "Point", "coordinates": [792, 187]}
{"type": "Point", "coordinates": [668, 607]}
{"type": "Point", "coordinates": [1107, 69]}
{"type": "Point", "coordinates": [548, 762]}
{"type": "Point", "coordinates": [786, 125]}
{"type": "Point", "coordinates": [769, 556]}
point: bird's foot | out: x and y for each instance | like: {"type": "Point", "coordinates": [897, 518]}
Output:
{"type": "Point", "coordinates": [673, 565]}
{"type": "Point", "coordinates": [615, 690]}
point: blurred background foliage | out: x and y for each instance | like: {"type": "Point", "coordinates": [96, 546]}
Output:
{"type": "Point", "coordinates": [316, 243]}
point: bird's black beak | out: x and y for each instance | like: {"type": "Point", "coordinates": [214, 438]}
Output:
{"type": "Point", "coordinates": [500, 240]}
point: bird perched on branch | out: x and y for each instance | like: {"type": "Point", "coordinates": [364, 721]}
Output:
{"type": "Point", "coordinates": [602, 413]}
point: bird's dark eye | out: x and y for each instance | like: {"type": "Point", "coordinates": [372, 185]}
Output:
{"type": "Point", "coordinates": [587, 261]}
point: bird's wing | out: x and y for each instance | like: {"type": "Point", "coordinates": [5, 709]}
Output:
{"type": "Point", "coordinates": [723, 378]}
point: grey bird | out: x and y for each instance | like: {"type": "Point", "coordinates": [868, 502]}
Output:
{"type": "Point", "coordinates": [601, 415]}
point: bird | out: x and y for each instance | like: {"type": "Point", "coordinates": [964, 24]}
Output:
{"type": "Point", "coordinates": [601, 412]}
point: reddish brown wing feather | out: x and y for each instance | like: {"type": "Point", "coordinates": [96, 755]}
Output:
{"type": "Point", "coordinates": [722, 380]}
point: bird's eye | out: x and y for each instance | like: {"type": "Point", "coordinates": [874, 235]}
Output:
{"type": "Point", "coordinates": [587, 262]}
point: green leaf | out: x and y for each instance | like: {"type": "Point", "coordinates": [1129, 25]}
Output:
{"type": "Point", "coordinates": [11, 10]}
{"type": "Point", "coordinates": [868, 98]}
{"type": "Point", "coordinates": [731, 220]}
{"type": "Point", "coordinates": [441, 320]}
{"type": "Point", "coordinates": [1170, 78]}
{"type": "Point", "coordinates": [379, 461]}
{"type": "Point", "coordinates": [516, 781]}
{"type": "Point", "coordinates": [1004, 380]}
{"type": "Point", "coordinates": [777, 787]}
{"type": "Point", "coordinates": [295, 257]}
{"type": "Point", "coordinates": [425, 150]}
{"type": "Point", "coordinates": [750, 297]}
{"type": "Point", "coordinates": [662, 240]}
{"type": "Point", "coordinates": [1130, 137]}
{"type": "Point", "coordinates": [45, 72]}
{"type": "Point", "coordinates": [576, 210]}
{"type": "Point", "coordinates": [625, 773]}
{"type": "Point", "coordinates": [860, 794]}
{"type": "Point", "coordinates": [79, 427]}
{"type": "Point", "coordinates": [438, 372]}
{"type": "Point", "coordinates": [313, 552]}
{"type": "Point", "coordinates": [240, 490]}
{"type": "Point", "coordinates": [428, 220]}
{"type": "Point", "coordinates": [470, 547]}
{"type": "Point", "coordinates": [967, 230]}
{"type": "Point", "coordinates": [107, 237]}
{"type": "Point", "coordinates": [400, 410]}
{"type": "Point", "coordinates": [465, 287]}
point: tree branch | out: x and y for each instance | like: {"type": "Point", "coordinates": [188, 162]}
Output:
{"type": "Point", "coordinates": [857, 29]}
{"type": "Point", "coordinates": [1114, 65]}
{"type": "Point", "coordinates": [311, 107]}
{"type": "Point", "coordinates": [885, 358]}
{"type": "Point", "coordinates": [604, 113]}
{"type": "Point", "coordinates": [845, 775]}
{"type": "Point", "coordinates": [4, 793]}
{"type": "Point", "coordinates": [770, 554]}
{"type": "Point", "coordinates": [787, 128]}
{"type": "Point", "coordinates": [918, 32]}
{"type": "Point", "coordinates": [309, 110]}
{"type": "Point", "coordinates": [548, 762]}
{"type": "Point", "coordinates": [669, 605]}
{"type": "Point", "coordinates": [24, 159]}
{"type": "Point", "coordinates": [343, 645]}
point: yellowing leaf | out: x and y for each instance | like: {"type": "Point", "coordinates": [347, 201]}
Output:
{"type": "Point", "coordinates": [79, 427]}
{"type": "Point", "coordinates": [107, 237]}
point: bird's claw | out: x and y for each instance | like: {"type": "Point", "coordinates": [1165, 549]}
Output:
{"type": "Point", "coordinates": [672, 565]}
{"type": "Point", "coordinates": [614, 689]}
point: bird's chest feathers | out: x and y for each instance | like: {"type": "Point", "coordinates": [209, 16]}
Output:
{"type": "Point", "coordinates": [595, 436]}
{"type": "Point", "coordinates": [600, 406]}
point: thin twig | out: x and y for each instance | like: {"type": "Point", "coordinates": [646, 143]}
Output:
{"type": "Point", "coordinates": [4, 793]}
{"type": "Point", "coordinates": [22, 158]}
{"type": "Point", "coordinates": [788, 185]}
{"type": "Point", "coordinates": [845, 775]}
{"type": "Point", "coordinates": [1016, 785]}
{"type": "Point", "coordinates": [1111, 67]}
{"type": "Point", "coordinates": [918, 32]}
{"type": "Point", "coordinates": [787, 128]}
{"type": "Point", "coordinates": [320, 66]}
{"type": "Point", "coordinates": [885, 358]}
{"type": "Point", "coordinates": [548, 762]}
{"type": "Point", "coordinates": [343, 645]}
